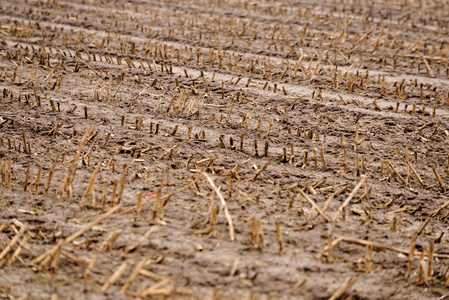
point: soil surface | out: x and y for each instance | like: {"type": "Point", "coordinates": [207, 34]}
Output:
{"type": "Point", "coordinates": [228, 149]}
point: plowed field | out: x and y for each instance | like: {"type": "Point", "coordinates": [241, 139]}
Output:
{"type": "Point", "coordinates": [224, 149]}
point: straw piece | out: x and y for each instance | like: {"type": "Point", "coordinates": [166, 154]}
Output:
{"type": "Point", "coordinates": [347, 284]}
{"type": "Point", "coordinates": [156, 289]}
{"type": "Point", "coordinates": [351, 195]}
{"type": "Point", "coordinates": [14, 240]}
{"type": "Point", "coordinates": [133, 275]}
{"type": "Point", "coordinates": [223, 205]}
{"type": "Point", "coordinates": [314, 205]}
{"type": "Point", "coordinates": [136, 244]}
{"type": "Point", "coordinates": [114, 276]}
{"type": "Point", "coordinates": [78, 233]}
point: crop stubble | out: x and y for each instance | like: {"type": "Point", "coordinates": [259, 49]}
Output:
{"type": "Point", "coordinates": [224, 149]}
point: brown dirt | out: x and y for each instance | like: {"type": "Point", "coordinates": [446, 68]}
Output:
{"type": "Point", "coordinates": [148, 73]}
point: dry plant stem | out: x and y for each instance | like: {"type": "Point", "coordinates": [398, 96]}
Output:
{"type": "Point", "coordinates": [259, 172]}
{"type": "Point", "coordinates": [332, 197]}
{"type": "Point", "coordinates": [351, 195]}
{"type": "Point", "coordinates": [212, 218]}
{"type": "Point", "coordinates": [14, 240]}
{"type": "Point", "coordinates": [3, 172]}
{"type": "Point", "coordinates": [121, 190]}
{"type": "Point", "coordinates": [368, 258]}
{"type": "Point", "coordinates": [165, 198]}
{"type": "Point", "coordinates": [279, 236]}
{"type": "Point", "coordinates": [107, 244]}
{"type": "Point", "coordinates": [416, 173]}
{"type": "Point", "coordinates": [73, 258]}
{"type": "Point", "coordinates": [411, 255]}
{"type": "Point", "coordinates": [422, 275]}
{"type": "Point", "coordinates": [17, 252]}
{"type": "Point", "coordinates": [434, 214]}
{"type": "Point", "coordinates": [157, 202]}
{"type": "Point", "coordinates": [417, 233]}
{"type": "Point", "coordinates": [4, 226]}
{"type": "Point", "coordinates": [299, 284]}
{"type": "Point", "coordinates": [10, 173]}
{"type": "Point", "coordinates": [25, 142]}
{"type": "Point", "coordinates": [314, 205]}
{"type": "Point", "coordinates": [169, 152]}
{"type": "Point", "coordinates": [55, 256]}
{"type": "Point", "coordinates": [437, 175]}
{"type": "Point", "coordinates": [256, 232]}
{"type": "Point", "coordinates": [349, 282]}
{"type": "Point", "coordinates": [394, 227]}
{"type": "Point", "coordinates": [430, 258]}
{"type": "Point", "coordinates": [223, 205]}
{"type": "Point", "coordinates": [151, 275]}
{"type": "Point", "coordinates": [156, 289]}
{"type": "Point", "coordinates": [68, 181]}
{"type": "Point", "coordinates": [133, 275]}
{"type": "Point", "coordinates": [36, 183]}
{"type": "Point", "coordinates": [79, 233]}
{"type": "Point", "coordinates": [90, 68]}
{"type": "Point", "coordinates": [130, 248]}
{"type": "Point", "coordinates": [139, 204]}
{"type": "Point", "coordinates": [323, 158]}
{"type": "Point", "coordinates": [104, 196]}
{"type": "Point", "coordinates": [50, 175]}
{"type": "Point", "coordinates": [91, 265]}
{"type": "Point", "coordinates": [90, 188]}
{"type": "Point", "coordinates": [397, 173]}
{"type": "Point", "coordinates": [429, 70]}
{"type": "Point", "coordinates": [375, 245]}
{"type": "Point", "coordinates": [114, 194]}
{"type": "Point", "coordinates": [114, 276]}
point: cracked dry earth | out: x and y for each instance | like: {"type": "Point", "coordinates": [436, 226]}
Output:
{"type": "Point", "coordinates": [224, 149]}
